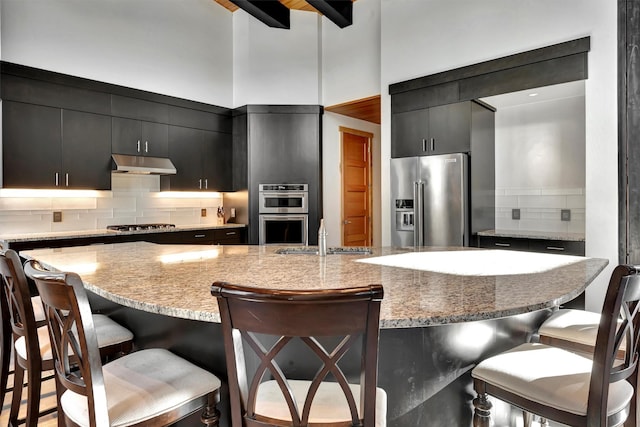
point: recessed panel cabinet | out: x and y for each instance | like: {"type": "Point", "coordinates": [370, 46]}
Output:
{"type": "Point", "coordinates": [46, 147]}
{"type": "Point", "coordinates": [139, 138]}
{"type": "Point", "coordinates": [202, 160]}
{"type": "Point", "coordinates": [437, 130]}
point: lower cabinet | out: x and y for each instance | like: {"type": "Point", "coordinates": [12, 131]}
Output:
{"type": "Point", "coordinates": [564, 247]}
{"type": "Point", "coordinates": [217, 236]}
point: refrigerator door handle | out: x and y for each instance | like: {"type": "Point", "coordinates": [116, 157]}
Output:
{"type": "Point", "coordinates": [418, 212]}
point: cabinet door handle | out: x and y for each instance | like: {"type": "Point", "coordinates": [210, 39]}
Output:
{"type": "Point", "coordinates": [424, 144]}
{"type": "Point", "coordinates": [555, 248]}
{"type": "Point", "coordinates": [206, 183]}
{"type": "Point", "coordinates": [138, 146]}
{"type": "Point", "coordinates": [231, 233]}
{"type": "Point", "coordinates": [199, 236]}
{"type": "Point", "coordinates": [146, 146]}
{"type": "Point", "coordinates": [432, 144]}
{"type": "Point", "coordinates": [200, 183]}
{"type": "Point", "coordinates": [504, 245]}
{"type": "Point", "coordinates": [66, 179]}
{"type": "Point", "coordinates": [57, 179]}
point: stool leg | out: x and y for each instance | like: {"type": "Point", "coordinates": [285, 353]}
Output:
{"type": "Point", "coordinates": [34, 386]}
{"type": "Point", "coordinates": [18, 381]}
{"type": "Point", "coordinates": [5, 346]}
{"type": "Point", "coordinates": [482, 411]}
{"type": "Point", "coordinates": [211, 415]}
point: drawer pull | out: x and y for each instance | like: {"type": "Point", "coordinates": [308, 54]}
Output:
{"type": "Point", "coordinates": [504, 245]}
{"type": "Point", "coordinates": [199, 235]}
{"type": "Point", "coordinates": [555, 248]}
{"type": "Point", "coordinates": [231, 233]}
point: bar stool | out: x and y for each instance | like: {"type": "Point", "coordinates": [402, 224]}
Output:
{"type": "Point", "coordinates": [151, 387]}
{"type": "Point", "coordinates": [31, 346]}
{"type": "Point", "coordinates": [562, 385]}
{"type": "Point", "coordinates": [269, 321]}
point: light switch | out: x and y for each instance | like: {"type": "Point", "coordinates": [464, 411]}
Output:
{"type": "Point", "coordinates": [57, 216]}
{"type": "Point", "coordinates": [515, 213]}
{"type": "Point", "coordinates": [565, 215]}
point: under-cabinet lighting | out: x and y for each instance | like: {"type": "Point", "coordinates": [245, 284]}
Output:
{"type": "Point", "coordinates": [31, 193]}
{"type": "Point", "coordinates": [189, 256]}
{"type": "Point", "coordinates": [188, 194]}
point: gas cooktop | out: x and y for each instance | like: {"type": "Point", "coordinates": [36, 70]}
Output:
{"type": "Point", "coordinates": [139, 227]}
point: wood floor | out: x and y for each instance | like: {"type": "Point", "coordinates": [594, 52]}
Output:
{"type": "Point", "coordinates": [48, 400]}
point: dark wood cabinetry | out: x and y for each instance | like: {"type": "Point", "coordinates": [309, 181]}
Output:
{"type": "Point", "coordinates": [275, 144]}
{"type": "Point", "coordinates": [217, 236]}
{"type": "Point", "coordinates": [139, 138]}
{"type": "Point", "coordinates": [436, 130]}
{"type": "Point", "coordinates": [202, 159]}
{"type": "Point", "coordinates": [63, 129]}
{"type": "Point", "coordinates": [47, 147]}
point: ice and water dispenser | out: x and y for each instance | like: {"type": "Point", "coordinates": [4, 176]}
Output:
{"type": "Point", "coordinates": [404, 214]}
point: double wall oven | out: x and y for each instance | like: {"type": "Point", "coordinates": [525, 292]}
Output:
{"type": "Point", "coordinates": [283, 214]}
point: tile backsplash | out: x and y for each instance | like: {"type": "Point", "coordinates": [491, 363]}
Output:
{"type": "Point", "coordinates": [540, 209]}
{"type": "Point", "coordinates": [134, 199]}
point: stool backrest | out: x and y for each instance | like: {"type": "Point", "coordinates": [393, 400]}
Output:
{"type": "Point", "coordinates": [349, 316]}
{"type": "Point", "coordinates": [73, 337]}
{"type": "Point", "coordinates": [17, 300]}
{"type": "Point", "coordinates": [614, 338]}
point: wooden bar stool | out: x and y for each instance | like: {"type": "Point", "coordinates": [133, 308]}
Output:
{"type": "Point", "coordinates": [31, 345]}
{"type": "Point", "coordinates": [151, 387]}
{"type": "Point", "coordinates": [268, 321]}
{"type": "Point", "coordinates": [562, 385]}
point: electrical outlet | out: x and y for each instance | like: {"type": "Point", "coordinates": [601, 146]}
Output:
{"type": "Point", "coordinates": [203, 212]}
{"type": "Point", "coordinates": [57, 216]}
{"type": "Point", "coordinates": [515, 213]}
{"type": "Point", "coordinates": [565, 215]}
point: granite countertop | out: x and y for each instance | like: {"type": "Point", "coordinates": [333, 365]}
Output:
{"type": "Point", "coordinates": [524, 234]}
{"type": "Point", "coordinates": [425, 286]}
{"type": "Point", "coordinates": [30, 237]}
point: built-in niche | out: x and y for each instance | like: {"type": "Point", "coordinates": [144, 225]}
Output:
{"type": "Point", "coordinates": [540, 158]}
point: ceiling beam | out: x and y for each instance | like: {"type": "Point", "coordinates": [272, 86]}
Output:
{"type": "Point", "coordinates": [338, 11]}
{"type": "Point", "coordinates": [271, 12]}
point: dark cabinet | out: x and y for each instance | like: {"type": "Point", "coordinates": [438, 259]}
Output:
{"type": "Point", "coordinates": [139, 138]}
{"type": "Point", "coordinates": [46, 147]}
{"type": "Point", "coordinates": [567, 247]}
{"type": "Point", "coordinates": [202, 159]}
{"type": "Point", "coordinates": [86, 150]}
{"type": "Point", "coordinates": [437, 130]}
{"type": "Point", "coordinates": [218, 236]}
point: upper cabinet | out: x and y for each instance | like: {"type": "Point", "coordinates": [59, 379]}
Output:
{"type": "Point", "coordinates": [139, 138]}
{"type": "Point", "coordinates": [59, 131]}
{"type": "Point", "coordinates": [202, 159]}
{"type": "Point", "coordinates": [436, 130]}
{"type": "Point", "coordinates": [47, 147]}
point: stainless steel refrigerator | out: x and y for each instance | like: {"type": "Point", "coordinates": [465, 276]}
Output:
{"type": "Point", "coordinates": [430, 200]}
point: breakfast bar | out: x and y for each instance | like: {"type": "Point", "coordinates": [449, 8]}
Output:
{"type": "Point", "coordinates": [444, 309]}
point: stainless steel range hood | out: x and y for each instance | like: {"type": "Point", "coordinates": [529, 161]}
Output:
{"type": "Point", "coordinates": [144, 165]}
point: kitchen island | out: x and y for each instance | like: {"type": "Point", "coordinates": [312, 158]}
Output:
{"type": "Point", "coordinates": [444, 308]}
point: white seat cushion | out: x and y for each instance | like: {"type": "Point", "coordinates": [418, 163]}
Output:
{"type": "Point", "coordinates": [577, 326]}
{"type": "Point", "coordinates": [549, 375]}
{"type": "Point", "coordinates": [329, 404]}
{"type": "Point", "coordinates": [108, 331]}
{"type": "Point", "coordinates": [142, 385]}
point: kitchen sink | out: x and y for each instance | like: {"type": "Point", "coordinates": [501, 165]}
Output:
{"type": "Point", "coordinates": [313, 250]}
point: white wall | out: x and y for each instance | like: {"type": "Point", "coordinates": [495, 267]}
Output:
{"type": "Point", "coordinates": [276, 66]}
{"type": "Point", "coordinates": [351, 56]}
{"type": "Point", "coordinates": [540, 165]}
{"type": "Point", "coordinates": [422, 37]}
{"type": "Point", "coordinates": [181, 48]}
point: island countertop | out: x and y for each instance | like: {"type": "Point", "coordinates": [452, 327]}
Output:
{"type": "Point", "coordinates": [423, 286]}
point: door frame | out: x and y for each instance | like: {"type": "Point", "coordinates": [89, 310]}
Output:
{"type": "Point", "coordinates": [369, 136]}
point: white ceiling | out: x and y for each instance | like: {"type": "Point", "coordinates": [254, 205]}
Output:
{"type": "Point", "coordinates": [545, 93]}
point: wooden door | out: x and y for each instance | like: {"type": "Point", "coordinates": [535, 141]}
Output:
{"type": "Point", "coordinates": [356, 187]}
